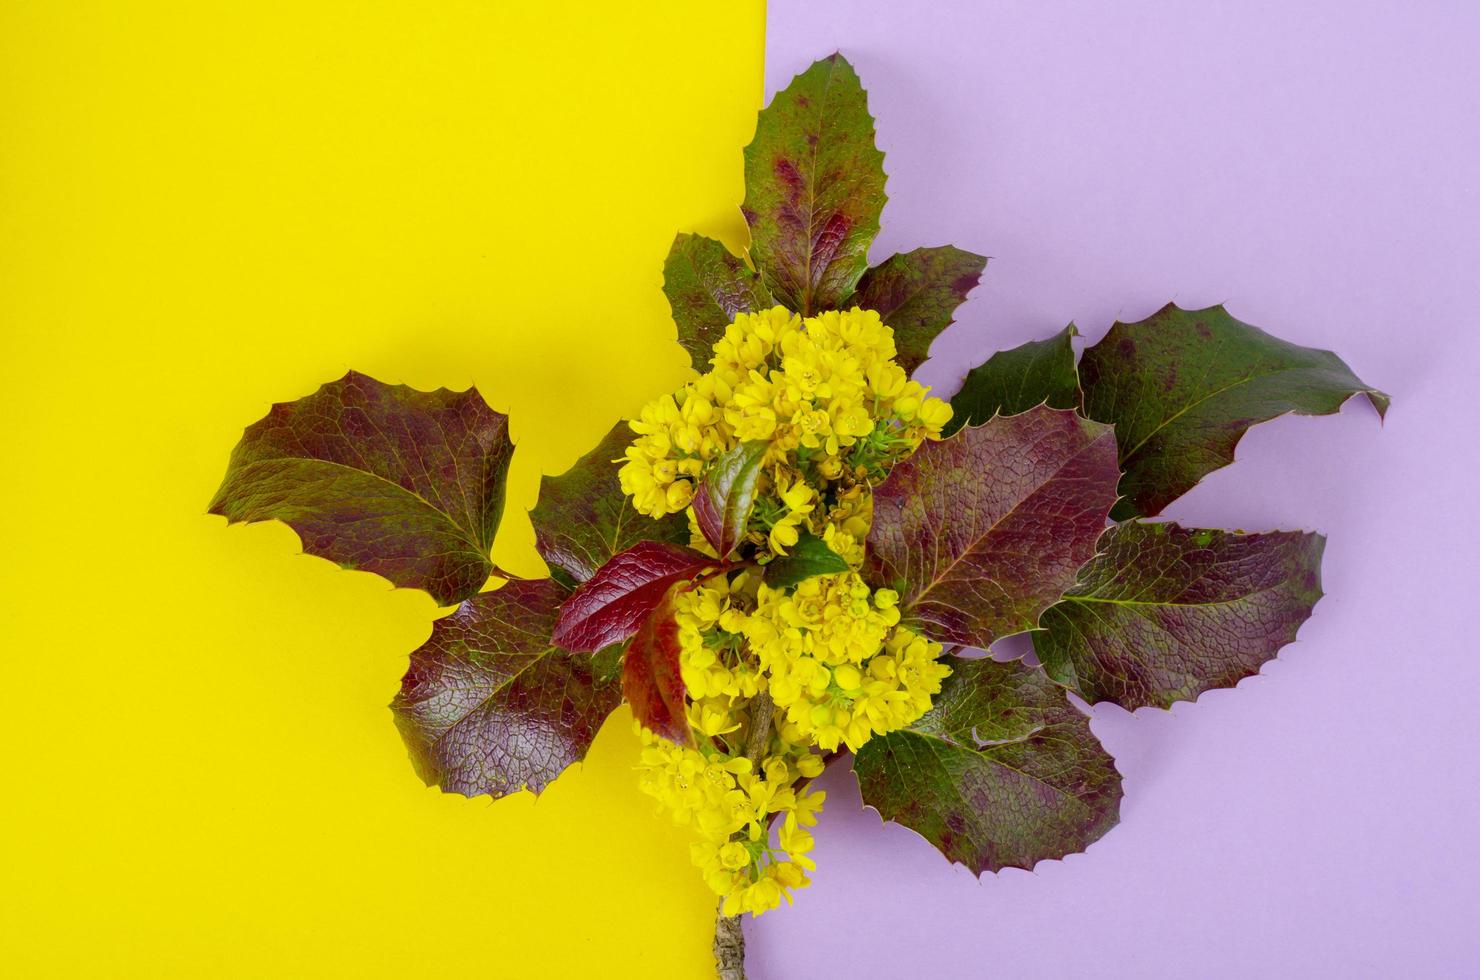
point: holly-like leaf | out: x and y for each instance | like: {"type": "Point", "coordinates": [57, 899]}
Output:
{"type": "Point", "coordinates": [583, 518]}
{"type": "Point", "coordinates": [983, 531]}
{"type": "Point", "coordinates": [706, 286]}
{"type": "Point", "coordinates": [1182, 387]}
{"type": "Point", "coordinates": [651, 681]}
{"type": "Point", "coordinates": [916, 293]}
{"type": "Point", "coordinates": [724, 500]}
{"type": "Point", "coordinates": [809, 557]}
{"type": "Point", "coordinates": [490, 705]}
{"type": "Point", "coordinates": [406, 484]}
{"type": "Point", "coordinates": [814, 188]}
{"type": "Point", "coordinates": [610, 606]}
{"type": "Point", "coordinates": [1040, 372]}
{"type": "Point", "coordinates": [1002, 772]}
{"type": "Point", "coordinates": [1165, 612]}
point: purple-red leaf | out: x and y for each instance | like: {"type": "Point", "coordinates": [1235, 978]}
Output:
{"type": "Point", "coordinates": [490, 705]}
{"type": "Point", "coordinates": [406, 484]}
{"type": "Point", "coordinates": [1165, 613]}
{"type": "Point", "coordinates": [725, 498]}
{"type": "Point", "coordinates": [651, 681]}
{"type": "Point", "coordinates": [610, 606]}
{"type": "Point", "coordinates": [583, 518]}
{"type": "Point", "coordinates": [982, 532]}
{"type": "Point", "coordinates": [916, 294]}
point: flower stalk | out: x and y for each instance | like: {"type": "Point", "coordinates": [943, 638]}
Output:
{"type": "Point", "coordinates": [729, 937]}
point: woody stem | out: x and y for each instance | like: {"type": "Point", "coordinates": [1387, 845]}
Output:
{"type": "Point", "coordinates": [729, 939]}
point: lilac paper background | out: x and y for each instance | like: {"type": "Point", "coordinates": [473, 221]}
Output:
{"type": "Point", "coordinates": [1315, 167]}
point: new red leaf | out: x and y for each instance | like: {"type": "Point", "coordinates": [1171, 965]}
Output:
{"type": "Point", "coordinates": [651, 681]}
{"type": "Point", "coordinates": [610, 606]}
{"type": "Point", "coordinates": [723, 503]}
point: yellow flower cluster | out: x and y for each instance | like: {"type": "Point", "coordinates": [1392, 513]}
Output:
{"type": "Point", "coordinates": [730, 803]}
{"type": "Point", "coordinates": [830, 654]}
{"type": "Point", "coordinates": [838, 663]}
{"type": "Point", "coordinates": [824, 393]}
{"type": "Point", "coordinates": [839, 669]}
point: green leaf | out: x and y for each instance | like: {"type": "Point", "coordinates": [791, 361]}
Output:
{"type": "Point", "coordinates": [706, 286]}
{"type": "Point", "coordinates": [985, 530]}
{"type": "Point", "coordinates": [725, 498]}
{"type": "Point", "coordinates": [1040, 372]}
{"type": "Point", "coordinates": [1183, 386]}
{"type": "Point", "coordinates": [403, 483]}
{"type": "Point", "coordinates": [491, 706]}
{"type": "Point", "coordinates": [814, 188]}
{"type": "Point", "coordinates": [1002, 772]}
{"type": "Point", "coordinates": [916, 293]}
{"type": "Point", "coordinates": [1165, 613]}
{"type": "Point", "coordinates": [583, 519]}
{"type": "Point", "coordinates": [810, 556]}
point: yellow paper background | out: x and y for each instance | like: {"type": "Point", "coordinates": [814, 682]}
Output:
{"type": "Point", "coordinates": [206, 208]}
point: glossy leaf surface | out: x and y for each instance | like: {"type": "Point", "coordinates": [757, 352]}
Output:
{"type": "Point", "coordinates": [651, 681]}
{"type": "Point", "coordinates": [724, 499]}
{"type": "Point", "coordinates": [983, 531]}
{"type": "Point", "coordinates": [809, 557]}
{"type": "Point", "coordinates": [406, 484]}
{"type": "Point", "coordinates": [1165, 612]}
{"type": "Point", "coordinates": [490, 705]}
{"type": "Point", "coordinates": [1003, 772]}
{"type": "Point", "coordinates": [916, 293]}
{"type": "Point", "coordinates": [814, 188]}
{"type": "Point", "coordinates": [706, 286]}
{"type": "Point", "coordinates": [583, 519]}
{"type": "Point", "coordinates": [1183, 386]}
{"type": "Point", "coordinates": [1040, 372]}
{"type": "Point", "coordinates": [610, 606]}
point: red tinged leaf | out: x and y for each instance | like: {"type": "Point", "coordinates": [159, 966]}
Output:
{"type": "Point", "coordinates": [916, 294]}
{"type": "Point", "coordinates": [383, 478]}
{"type": "Point", "coordinates": [611, 605]}
{"type": "Point", "coordinates": [814, 188]}
{"type": "Point", "coordinates": [723, 503]}
{"type": "Point", "coordinates": [985, 530]}
{"type": "Point", "coordinates": [1164, 612]}
{"type": "Point", "coordinates": [490, 706]}
{"type": "Point", "coordinates": [651, 681]}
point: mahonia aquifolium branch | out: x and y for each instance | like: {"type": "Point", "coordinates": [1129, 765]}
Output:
{"type": "Point", "coordinates": [835, 412]}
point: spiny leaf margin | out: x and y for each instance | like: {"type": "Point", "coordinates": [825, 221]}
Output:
{"type": "Point", "coordinates": [384, 478]}
{"type": "Point", "coordinates": [489, 705]}
{"type": "Point", "coordinates": [1164, 612]}
{"type": "Point", "coordinates": [1002, 772]}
